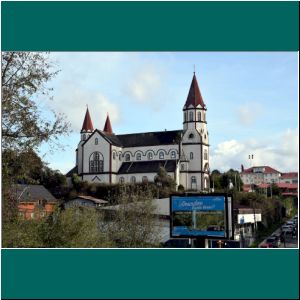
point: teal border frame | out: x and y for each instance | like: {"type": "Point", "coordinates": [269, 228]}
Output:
{"type": "Point", "coordinates": [150, 273]}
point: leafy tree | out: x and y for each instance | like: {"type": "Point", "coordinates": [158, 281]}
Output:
{"type": "Point", "coordinates": [24, 80]}
{"type": "Point", "coordinates": [164, 182]}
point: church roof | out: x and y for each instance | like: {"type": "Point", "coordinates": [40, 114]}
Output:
{"type": "Point", "coordinates": [151, 166]}
{"type": "Point", "coordinates": [107, 126]}
{"type": "Point", "coordinates": [87, 123]}
{"type": "Point", "coordinates": [150, 138]}
{"type": "Point", "coordinates": [194, 97]}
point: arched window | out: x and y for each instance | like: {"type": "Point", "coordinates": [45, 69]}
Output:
{"type": "Point", "coordinates": [150, 155]}
{"type": "Point", "coordinates": [191, 116]}
{"type": "Point", "coordinates": [191, 155]}
{"type": "Point", "coordinates": [161, 155]}
{"type": "Point", "coordinates": [133, 179]}
{"type": "Point", "coordinates": [96, 162]}
{"type": "Point", "coordinates": [145, 179]}
{"type": "Point", "coordinates": [173, 154]}
{"type": "Point", "coordinates": [96, 141]}
{"type": "Point", "coordinates": [127, 157]}
{"type": "Point", "coordinates": [121, 180]}
{"type": "Point", "coordinates": [114, 155]}
{"type": "Point", "coordinates": [205, 154]}
{"type": "Point", "coordinates": [138, 156]}
{"type": "Point", "coordinates": [205, 136]}
{"type": "Point", "coordinates": [204, 117]}
{"type": "Point", "coordinates": [182, 167]}
{"type": "Point", "coordinates": [84, 137]}
{"type": "Point", "coordinates": [199, 116]}
{"type": "Point", "coordinates": [120, 155]}
{"type": "Point", "coordinates": [185, 116]}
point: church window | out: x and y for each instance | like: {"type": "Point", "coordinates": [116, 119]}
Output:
{"type": "Point", "coordinates": [133, 179]}
{"type": "Point", "coordinates": [120, 155]}
{"type": "Point", "coordinates": [204, 117]}
{"type": "Point", "coordinates": [121, 180]}
{"type": "Point", "coordinates": [205, 136]}
{"type": "Point", "coordinates": [185, 117]}
{"type": "Point", "coordinates": [182, 167]}
{"type": "Point", "coordinates": [191, 155]}
{"type": "Point", "coordinates": [127, 157]}
{"type": "Point", "coordinates": [199, 116]}
{"type": "Point", "coordinates": [96, 162]}
{"type": "Point", "coordinates": [150, 155]}
{"type": "Point", "coordinates": [191, 136]}
{"type": "Point", "coordinates": [145, 179]}
{"type": "Point", "coordinates": [139, 156]}
{"type": "Point", "coordinates": [161, 155]}
{"type": "Point", "coordinates": [191, 116]}
{"type": "Point", "coordinates": [96, 141]}
{"type": "Point", "coordinates": [114, 155]}
{"type": "Point", "coordinates": [194, 180]}
{"type": "Point", "coordinates": [205, 154]}
{"type": "Point", "coordinates": [173, 154]}
{"type": "Point", "coordinates": [84, 137]}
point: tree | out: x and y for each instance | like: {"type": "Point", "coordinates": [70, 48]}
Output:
{"type": "Point", "coordinates": [164, 182]}
{"type": "Point", "coordinates": [24, 79]}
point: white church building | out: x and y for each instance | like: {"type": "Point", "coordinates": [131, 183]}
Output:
{"type": "Point", "coordinates": [105, 157]}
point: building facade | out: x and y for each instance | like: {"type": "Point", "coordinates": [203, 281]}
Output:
{"type": "Point", "coordinates": [105, 157]}
{"type": "Point", "coordinates": [259, 175]}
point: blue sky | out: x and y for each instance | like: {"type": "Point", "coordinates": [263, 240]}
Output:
{"type": "Point", "coordinates": [251, 97]}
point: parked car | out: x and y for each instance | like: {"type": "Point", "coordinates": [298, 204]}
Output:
{"type": "Point", "coordinates": [272, 241]}
{"type": "Point", "coordinates": [265, 245]}
{"type": "Point", "coordinates": [287, 228]}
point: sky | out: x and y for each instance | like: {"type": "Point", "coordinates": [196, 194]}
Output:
{"type": "Point", "coordinates": [251, 99]}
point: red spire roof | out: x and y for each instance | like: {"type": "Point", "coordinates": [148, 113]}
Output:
{"type": "Point", "coordinates": [107, 126]}
{"type": "Point", "coordinates": [87, 123]}
{"type": "Point", "coordinates": [194, 97]}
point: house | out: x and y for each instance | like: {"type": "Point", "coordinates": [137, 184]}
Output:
{"type": "Point", "coordinates": [34, 201]}
{"type": "Point", "coordinates": [85, 201]}
{"type": "Point", "coordinates": [105, 157]}
{"type": "Point", "coordinates": [291, 177]}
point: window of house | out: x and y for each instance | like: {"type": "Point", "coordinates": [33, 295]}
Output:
{"type": "Point", "coordinates": [84, 137]}
{"type": "Point", "coordinates": [96, 141]}
{"type": "Point", "coordinates": [120, 156]}
{"type": "Point", "coordinates": [191, 136]}
{"type": "Point", "coordinates": [191, 116]}
{"type": "Point", "coordinates": [185, 117]}
{"type": "Point", "coordinates": [199, 116]}
{"type": "Point", "coordinates": [114, 155]}
{"type": "Point", "coordinates": [96, 162]}
{"type": "Point", "coordinates": [205, 136]}
{"type": "Point", "coordinates": [161, 155]}
{"type": "Point", "coordinates": [182, 167]}
{"type": "Point", "coordinates": [150, 155]}
{"type": "Point", "coordinates": [191, 155]}
{"type": "Point", "coordinates": [145, 179]}
{"type": "Point", "coordinates": [173, 154]}
{"type": "Point", "coordinates": [133, 179]}
{"type": "Point", "coordinates": [193, 179]}
{"type": "Point", "coordinates": [127, 157]}
{"type": "Point", "coordinates": [139, 156]}
{"type": "Point", "coordinates": [121, 180]}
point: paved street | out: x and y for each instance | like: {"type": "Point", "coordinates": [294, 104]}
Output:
{"type": "Point", "coordinates": [289, 241]}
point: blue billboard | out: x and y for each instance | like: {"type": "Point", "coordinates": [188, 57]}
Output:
{"type": "Point", "coordinates": [198, 216]}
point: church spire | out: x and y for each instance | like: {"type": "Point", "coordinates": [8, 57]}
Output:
{"type": "Point", "coordinates": [107, 126]}
{"type": "Point", "coordinates": [87, 123]}
{"type": "Point", "coordinates": [194, 97]}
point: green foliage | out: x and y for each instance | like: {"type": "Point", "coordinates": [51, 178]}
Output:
{"type": "Point", "coordinates": [24, 78]}
{"type": "Point", "coordinates": [164, 183]}
{"type": "Point", "coordinates": [220, 181]}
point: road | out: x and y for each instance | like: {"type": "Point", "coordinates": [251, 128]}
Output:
{"type": "Point", "coordinates": [289, 242]}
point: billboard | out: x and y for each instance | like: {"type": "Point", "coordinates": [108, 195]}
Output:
{"type": "Point", "coordinates": [204, 215]}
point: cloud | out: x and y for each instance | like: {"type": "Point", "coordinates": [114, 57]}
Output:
{"type": "Point", "coordinates": [279, 152]}
{"type": "Point", "coordinates": [248, 113]}
{"type": "Point", "coordinates": [144, 85]}
{"type": "Point", "coordinates": [72, 100]}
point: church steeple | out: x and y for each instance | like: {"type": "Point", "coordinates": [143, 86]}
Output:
{"type": "Point", "coordinates": [87, 125]}
{"type": "Point", "coordinates": [107, 127]}
{"type": "Point", "coordinates": [194, 97]}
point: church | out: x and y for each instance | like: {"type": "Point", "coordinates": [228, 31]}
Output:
{"type": "Point", "coordinates": [103, 156]}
